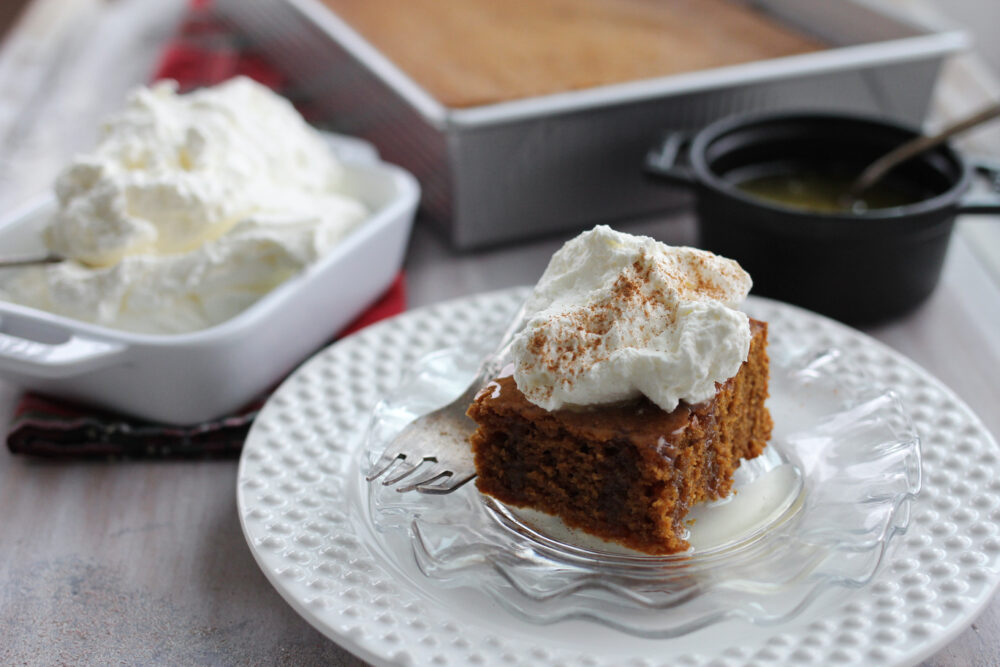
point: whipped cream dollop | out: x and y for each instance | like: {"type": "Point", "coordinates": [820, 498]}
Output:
{"type": "Point", "coordinates": [616, 316]}
{"type": "Point", "coordinates": [189, 209]}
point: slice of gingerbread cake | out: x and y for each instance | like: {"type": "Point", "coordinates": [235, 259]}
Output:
{"type": "Point", "coordinates": [636, 390]}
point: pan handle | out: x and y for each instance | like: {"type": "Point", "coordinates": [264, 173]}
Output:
{"type": "Point", "coordinates": [667, 158]}
{"type": "Point", "coordinates": [987, 203]}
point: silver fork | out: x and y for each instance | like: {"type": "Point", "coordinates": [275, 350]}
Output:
{"type": "Point", "coordinates": [432, 454]}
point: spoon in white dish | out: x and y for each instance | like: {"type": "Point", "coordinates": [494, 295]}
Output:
{"type": "Point", "coordinates": [29, 260]}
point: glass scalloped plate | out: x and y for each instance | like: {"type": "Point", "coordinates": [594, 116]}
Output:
{"type": "Point", "coordinates": [808, 564]}
{"type": "Point", "coordinates": [818, 509]}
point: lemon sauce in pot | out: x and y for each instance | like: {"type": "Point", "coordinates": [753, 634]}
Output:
{"type": "Point", "coordinates": [822, 190]}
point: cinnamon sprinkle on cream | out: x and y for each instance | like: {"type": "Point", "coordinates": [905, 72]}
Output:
{"type": "Point", "coordinates": [615, 316]}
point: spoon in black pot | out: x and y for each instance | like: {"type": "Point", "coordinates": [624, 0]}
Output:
{"type": "Point", "coordinates": [874, 172]}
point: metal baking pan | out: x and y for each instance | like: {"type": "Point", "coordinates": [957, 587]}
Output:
{"type": "Point", "coordinates": [513, 170]}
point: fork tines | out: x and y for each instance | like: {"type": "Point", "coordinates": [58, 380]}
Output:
{"type": "Point", "coordinates": [425, 474]}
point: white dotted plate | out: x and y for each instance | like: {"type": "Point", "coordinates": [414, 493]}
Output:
{"type": "Point", "coordinates": [303, 511]}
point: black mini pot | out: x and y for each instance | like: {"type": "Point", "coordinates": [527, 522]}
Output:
{"type": "Point", "coordinates": [856, 267]}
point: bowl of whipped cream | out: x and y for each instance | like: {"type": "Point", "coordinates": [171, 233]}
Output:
{"type": "Point", "coordinates": [210, 242]}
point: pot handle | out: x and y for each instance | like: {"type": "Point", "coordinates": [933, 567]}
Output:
{"type": "Point", "coordinates": [989, 203]}
{"type": "Point", "coordinates": [663, 160]}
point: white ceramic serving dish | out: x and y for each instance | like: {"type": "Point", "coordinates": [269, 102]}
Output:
{"type": "Point", "coordinates": [191, 377]}
{"type": "Point", "coordinates": [539, 165]}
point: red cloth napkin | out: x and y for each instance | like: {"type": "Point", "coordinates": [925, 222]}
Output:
{"type": "Point", "coordinates": [204, 52]}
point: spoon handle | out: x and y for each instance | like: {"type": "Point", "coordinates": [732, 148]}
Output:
{"type": "Point", "coordinates": [28, 260]}
{"type": "Point", "coordinates": [880, 167]}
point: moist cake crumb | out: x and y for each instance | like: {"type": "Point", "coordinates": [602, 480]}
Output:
{"type": "Point", "coordinates": [628, 472]}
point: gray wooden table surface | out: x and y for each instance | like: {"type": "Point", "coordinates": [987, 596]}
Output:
{"type": "Point", "coordinates": [142, 562]}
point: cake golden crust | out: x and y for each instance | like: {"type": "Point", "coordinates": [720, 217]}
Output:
{"type": "Point", "coordinates": [478, 52]}
{"type": "Point", "coordinates": [626, 473]}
